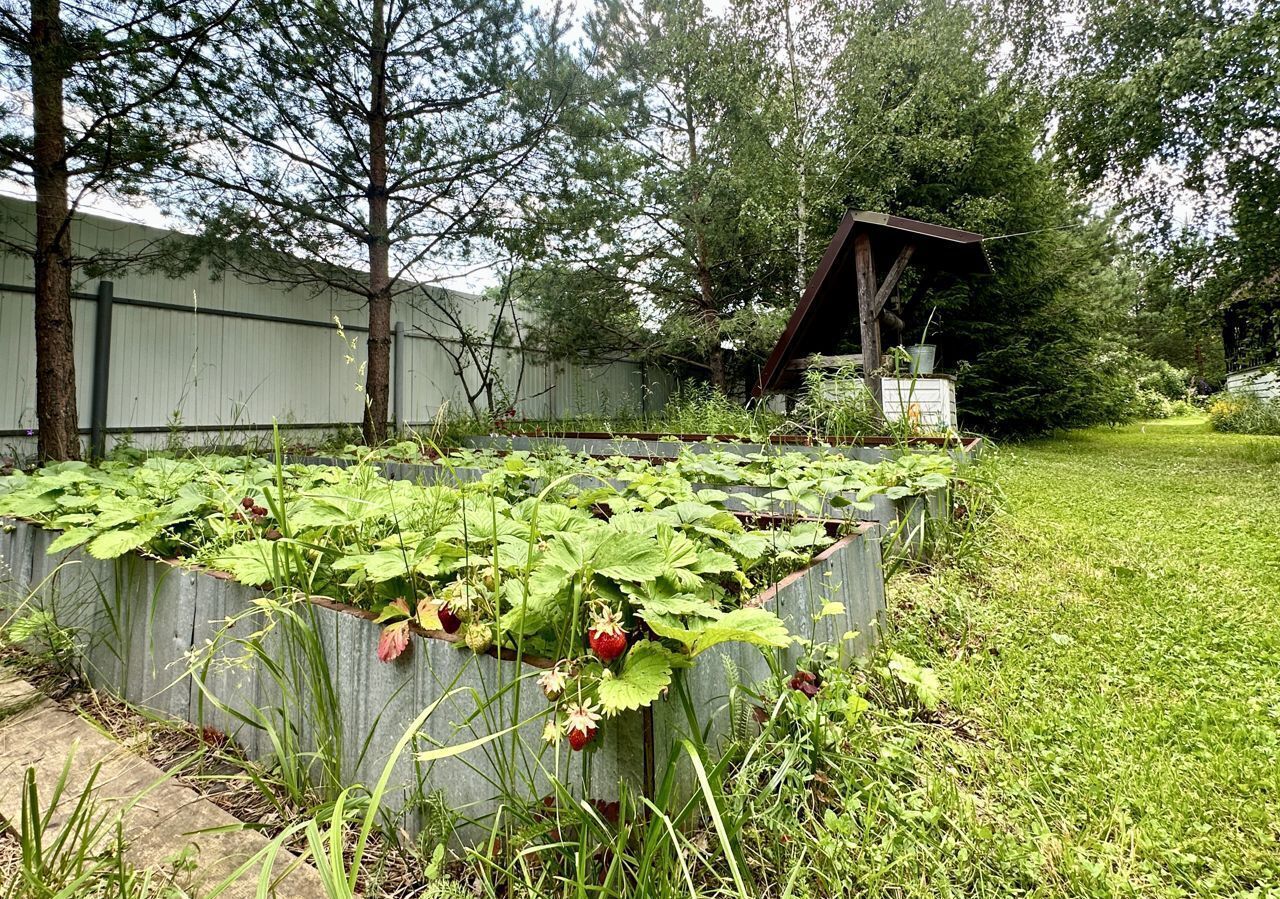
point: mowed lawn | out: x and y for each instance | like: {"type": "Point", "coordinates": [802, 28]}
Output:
{"type": "Point", "coordinates": [1116, 653]}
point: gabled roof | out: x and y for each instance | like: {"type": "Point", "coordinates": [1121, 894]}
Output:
{"type": "Point", "coordinates": [830, 304]}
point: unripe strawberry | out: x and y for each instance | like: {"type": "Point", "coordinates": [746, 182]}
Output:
{"type": "Point", "coordinates": [553, 682]}
{"type": "Point", "coordinates": [478, 637]}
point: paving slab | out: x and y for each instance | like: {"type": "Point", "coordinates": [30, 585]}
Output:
{"type": "Point", "coordinates": [161, 818]}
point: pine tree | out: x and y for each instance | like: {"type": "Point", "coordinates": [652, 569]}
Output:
{"type": "Point", "coordinates": [95, 76]}
{"type": "Point", "coordinates": [384, 135]}
{"type": "Point", "coordinates": [654, 226]}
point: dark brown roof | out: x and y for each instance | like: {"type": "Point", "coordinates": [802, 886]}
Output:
{"type": "Point", "coordinates": [829, 306]}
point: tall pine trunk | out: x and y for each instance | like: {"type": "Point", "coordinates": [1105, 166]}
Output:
{"type": "Point", "coordinates": [378, 372]}
{"type": "Point", "coordinates": [802, 142]}
{"type": "Point", "coordinates": [702, 263]}
{"type": "Point", "coordinates": [56, 411]}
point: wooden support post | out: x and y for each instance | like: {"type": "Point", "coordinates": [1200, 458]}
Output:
{"type": "Point", "coordinates": [868, 317]}
{"type": "Point", "coordinates": [891, 279]}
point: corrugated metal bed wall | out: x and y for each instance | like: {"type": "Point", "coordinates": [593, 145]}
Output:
{"type": "Point", "coordinates": [226, 356]}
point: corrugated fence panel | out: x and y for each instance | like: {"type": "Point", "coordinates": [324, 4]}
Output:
{"type": "Point", "coordinates": [189, 367]}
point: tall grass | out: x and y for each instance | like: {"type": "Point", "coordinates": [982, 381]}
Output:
{"type": "Point", "coordinates": [1244, 413]}
{"type": "Point", "coordinates": [70, 847]}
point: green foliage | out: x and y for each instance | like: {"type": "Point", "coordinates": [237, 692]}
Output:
{"type": "Point", "coordinates": [838, 404]}
{"type": "Point", "coordinates": [1245, 413]}
{"type": "Point", "coordinates": [1129, 64]}
{"type": "Point", "coordinates": [517, 564]}
{"type": "Point", "coordinates": [654, 216]}
{"type": "Point", "coordinates": [70, 846]}
{"type": "Point", "coordinates": [1161, 377]}
{"type": "Point", "coordinates": [644, 677]}
{"type": "Point", "coordinates": [120, 65]}
{"type": "Point", "coordinates": [39, 629]}
{"type": "Point", "coordinates": [698, 408]}
{"type": "Point", "coordinates": [908, 110]}
{"type": "Point", "coordinates": [1094, 578]}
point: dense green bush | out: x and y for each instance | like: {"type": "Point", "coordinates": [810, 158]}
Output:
{"type": "Point", "coordinates": [1131, 386]}
{"type": "Point", "coordinates": [1160, 377]}
{"type": "Point", "coordinates": [1244, 413]}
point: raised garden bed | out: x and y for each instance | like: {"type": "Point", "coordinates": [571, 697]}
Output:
{"type": "Point", "coordinates": [138, 619]}
{"type": "Point", "coordinates": [903, 521]}
{"type": "Point", "coordinates": [865, 449]}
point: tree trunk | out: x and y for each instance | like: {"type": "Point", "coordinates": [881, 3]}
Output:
{"type": "Point", "coordinates": [802, 142]}
{"type": "Point", "coordinates": [701, 261]}
{"type": "Point", "coordinates": [715, 354]}
{"type": "Point", "coordinates": [377, 374]}
{"type": "Point", "coordinates": [716, 364]}
{"type": "Point", "coordinates": [56, 413]}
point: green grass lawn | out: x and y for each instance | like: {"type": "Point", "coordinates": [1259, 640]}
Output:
{"type": "Point", "coordinates": [1116, 654]}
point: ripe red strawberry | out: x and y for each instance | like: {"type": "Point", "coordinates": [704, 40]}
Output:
{"type": "Point", "coordinates": [247, 503]}
{"type": "Point", "coordinates": [449, 622]}
{"type": "Point", "coordinates": [607, 637]}
{"type": "Point", "coordinates": [580, 738]}
{"type": "Point", "coordinates": [581, 724]}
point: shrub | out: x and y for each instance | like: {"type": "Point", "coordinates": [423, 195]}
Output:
{"type": "Point", "coordinates": [698, 408]}
{"type": "Point", "coordinates": [1160, 377]}
{"type": "Point", "coordinates": [837, 403]}
{"type": "Point", "coordinates": [1149, 403]}
{"type": "Point", "coordinates": [1244, 413]}
{"type": "Point", "coordinates": [1133, 386]}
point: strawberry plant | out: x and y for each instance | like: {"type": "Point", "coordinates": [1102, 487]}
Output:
{"type": "Point", "coordinates": [621, 586]}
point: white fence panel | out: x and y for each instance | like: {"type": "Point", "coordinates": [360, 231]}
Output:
{"type": "Point", "coordinates": [227, 355]}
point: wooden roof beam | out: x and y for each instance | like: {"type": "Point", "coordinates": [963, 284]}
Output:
{"type": "Point", "coordinates": [891, 279]}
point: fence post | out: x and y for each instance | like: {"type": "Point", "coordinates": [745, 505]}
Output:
{"type": "Point", "coordinates": [101, 371]}
{"type": "Point", "coordinates": [397, 395]}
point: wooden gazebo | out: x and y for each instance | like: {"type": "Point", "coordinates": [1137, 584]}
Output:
{"type": "Point", "coordinates": [845, 286]}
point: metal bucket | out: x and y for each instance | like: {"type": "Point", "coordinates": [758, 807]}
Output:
{"type": "Point", "coordinates": [921, 358]}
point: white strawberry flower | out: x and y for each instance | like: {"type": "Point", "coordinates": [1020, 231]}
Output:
{"type": "Point", "coordinates": [607, 621]}
{"type": "Point", "coordinates": [551, 732]}
{"type": "Point", "coordinates": [553, 681]}
{"type": "Point", "coordinates": [582, 718]}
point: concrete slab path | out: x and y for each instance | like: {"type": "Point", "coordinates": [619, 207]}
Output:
{"type": "Point", "coordinates": [161, 819]}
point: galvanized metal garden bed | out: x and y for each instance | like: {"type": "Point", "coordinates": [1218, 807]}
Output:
{"type": "Point", "coordinates": [138, 619]}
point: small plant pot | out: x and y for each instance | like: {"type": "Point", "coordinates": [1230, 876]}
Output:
{"type": "Point", "coordinates": [922, 355]}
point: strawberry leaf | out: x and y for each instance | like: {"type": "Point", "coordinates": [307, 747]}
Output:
{"type": "Point", "coordinates": [645, 674]}
{"type": "Point", "coordinates": [116, 543]}
{"type": "Point", "coordinates": [754, 626]}
{"type": "Point", "coordinates": [70, 539]}
{"type": "Point", "coordinates": [394, 641]}
{"type": "Point", "coordinates": [628, 557]}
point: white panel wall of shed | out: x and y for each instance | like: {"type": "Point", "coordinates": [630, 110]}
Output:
{"type": "Point", "coordinates": [204, 367]}
{"type": "Point", "coordinates": [1261, 382]}
{"type": "Point", "coordinates": [933, 400]}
